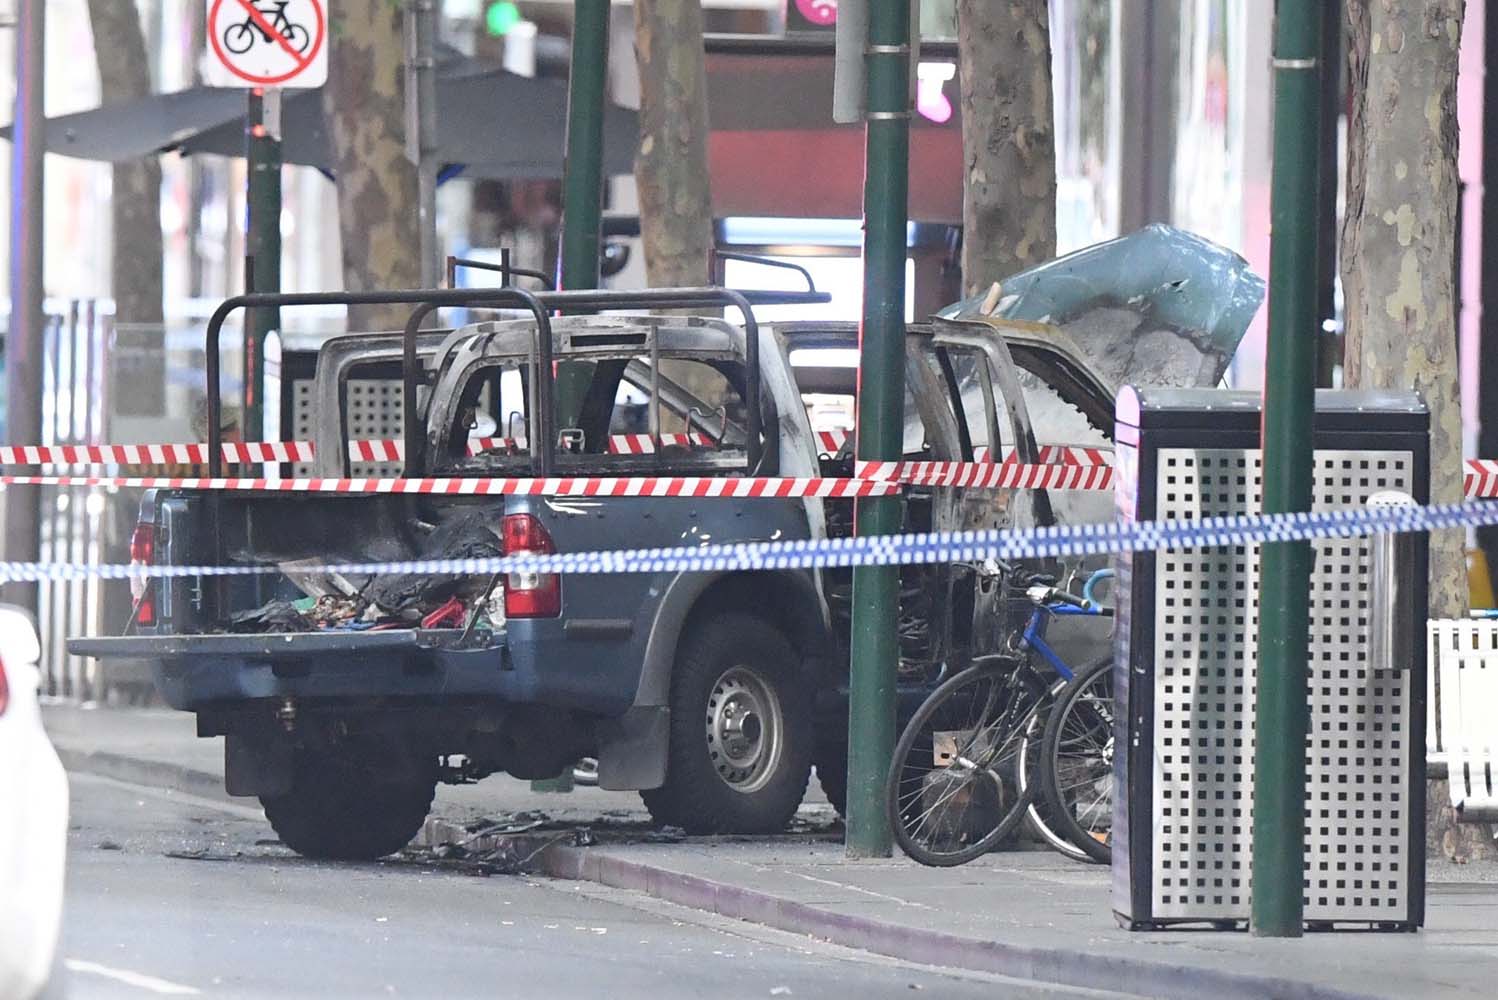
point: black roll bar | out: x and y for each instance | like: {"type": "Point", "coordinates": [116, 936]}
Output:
{"type": "Point", "coordinates": [538, 304]}
{"type": "Point", "coordinates": [436, 297]}
{"type": "Point", "coordinates": [582, 300]}
{"type": "Point", "coordinates": [504, 269]}
{"type": "Point", "coordinates": [690, 298]}
{"type": "Point", "coordinates": [542, 421]}
{"type": "Point", "coordinates": [714, 255]}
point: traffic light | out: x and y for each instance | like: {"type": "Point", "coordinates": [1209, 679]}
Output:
{"type": "Point", "coordinates": [501, 17]}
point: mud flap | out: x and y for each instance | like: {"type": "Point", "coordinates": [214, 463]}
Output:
{"type": "Point", "coordinates": [632, 750]}
{"type": "Point", "coordinates": [258, 765]}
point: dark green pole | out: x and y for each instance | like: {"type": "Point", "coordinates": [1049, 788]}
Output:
{"type": "Point", "coordinates": [1289, 409]}
{"type": "Point", "coordinates": [582, 181]}
{"type": "Point", "coordinates": [262, 248]}
{"type": "Point", "coordinates": [582, 210]}
{"type": "Point", "coordinates": [881, 396]}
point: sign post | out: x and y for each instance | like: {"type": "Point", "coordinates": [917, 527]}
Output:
{"type": "Point", "coordinates": [881, 353]}
{"type": "Point", "coordinates": [261, 46]}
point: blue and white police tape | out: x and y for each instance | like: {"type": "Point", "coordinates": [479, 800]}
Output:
{"type": "Point", "coordinates": [874, 550]}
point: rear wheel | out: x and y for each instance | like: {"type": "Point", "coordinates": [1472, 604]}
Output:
{"type": "Point", "coordinates": [1038, 816]}
{"type": "Point", "coordinates": [352, 806]}
{"type": "Point", "coordinates": [741, 731]}
{"type": "Point", "coordinates": [1078, 761]}
{"type": "Point", "coordinates": [954, 790]}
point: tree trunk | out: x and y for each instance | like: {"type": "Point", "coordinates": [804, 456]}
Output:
{"type": "Point", "coordinates": [364, 102]}
{"type": "Point", "coordinates": [1008, 138]}
{"type": "Point", "coordinates": [676, 212]}
{"type": "Point", "coordinates": [125, 73]}
{"type": "Point", "coordinates": [1398, 269]}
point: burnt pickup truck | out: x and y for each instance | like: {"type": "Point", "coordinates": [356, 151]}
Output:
{"type": "Point", "coordinates": [345, 700]}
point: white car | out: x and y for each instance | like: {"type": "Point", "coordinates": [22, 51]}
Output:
{"type": "Point", "coordinates": [33, 818]}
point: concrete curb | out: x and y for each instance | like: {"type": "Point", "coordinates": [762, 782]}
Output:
{"type": "Point", "coordinates": [1062, 966]}
{"type": "Point", "coordinates": [138, 771]}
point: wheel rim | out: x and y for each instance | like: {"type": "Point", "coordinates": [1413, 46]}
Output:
{"type": "Point", "coordinates": [745, 729]}
{"type": "Point", "coordinates": [1084, 759]}
{"type": "Point", "coordinates": [954, 789]}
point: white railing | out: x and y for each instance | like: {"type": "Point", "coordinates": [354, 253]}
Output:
{"type": "Point", "coordinates": [1461, 733]}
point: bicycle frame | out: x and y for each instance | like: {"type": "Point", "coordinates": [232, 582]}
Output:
{"type": "Point", "coordinates": [1033, 636]}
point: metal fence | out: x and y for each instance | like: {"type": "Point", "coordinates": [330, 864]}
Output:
{"type": "Point", "coordinates": [73, 519]}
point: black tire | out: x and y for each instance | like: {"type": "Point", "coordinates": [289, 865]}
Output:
{"type": "Point", "coordinates": [1078, 757]}
{"type": "Point", "coordinates": [741, 731]}
{"type": "Point", "coordinates": [352, 807]}
{"type": "Point", "coordinates": [238, 38]}
{"type": "Point", "coordinates": [987, 705]}
{"type": "Point", "coordinates": [1038, 822]}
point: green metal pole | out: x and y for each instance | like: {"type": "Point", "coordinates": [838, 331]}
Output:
{"type": "Point", "coordinates": [881, 396]}
{"type": "Point", "coordinates": [582, 211]}
{"type": "Point", "coordinates": [1289, 410]}
{"type": "Point", "coordinates": [262, 251]}
{"type": "Point", "coordinates": [582, 181]}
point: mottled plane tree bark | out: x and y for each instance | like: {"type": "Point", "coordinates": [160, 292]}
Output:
{"type": "Point", "coordinates": [135, 200]}
{"type": "Point", "coordinates": [1008, 138]}
{"type": "Point", "coordinates": [364, 102]}
{"type": "Point", "coordinates": [676, 212]}
{"type": "Point", "coordinates": [1398, 268]}
{"type": "Point", "coordinates": [676, 208]}
{"type": "Point", "coordinates": [136, 261]}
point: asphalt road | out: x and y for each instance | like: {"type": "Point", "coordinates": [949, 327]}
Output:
{"type": "Point", "coordinates": [169, 896]}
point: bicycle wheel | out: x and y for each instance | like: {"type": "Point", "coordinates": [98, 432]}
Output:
{"type": "Point", "coordinates": [1077, 763]}
{"type": "Point", "coordinates": [238, 38]}
{"type": "Point", "coordinates": [1037, 815]}
{"type": "Point", "coordinates": [953, 790]}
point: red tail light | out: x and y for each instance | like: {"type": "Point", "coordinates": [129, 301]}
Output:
{"type": "Point", "coordinates": [530, 595]}
{"type": "Point", "coordinates": [142, 553]}
{"type": "Point", "coordinates": [4, 689]}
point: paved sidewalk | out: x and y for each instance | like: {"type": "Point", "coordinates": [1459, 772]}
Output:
{"type": "Point", "coordinates": [1031, 915]}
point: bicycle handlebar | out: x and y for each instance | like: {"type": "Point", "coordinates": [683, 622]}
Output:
{"type": "Point", "coordinates": [1093, 581]}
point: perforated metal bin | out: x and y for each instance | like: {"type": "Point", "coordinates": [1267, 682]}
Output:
{"type": "Point", "coordinates": [1185, 660]}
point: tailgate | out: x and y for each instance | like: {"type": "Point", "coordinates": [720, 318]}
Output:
{"type": "Point", "coordinates": [266, 645]}
{"type": "Point", "coordinates": [195, 671]}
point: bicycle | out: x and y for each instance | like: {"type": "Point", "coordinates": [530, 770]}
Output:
{"type": "Point", "coordinates": [961, 778]}
{"type": "Point", "coordinates": [240, 37]}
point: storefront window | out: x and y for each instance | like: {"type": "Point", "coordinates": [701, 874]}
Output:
{"type": "Point", "coordinates": [1208, 179]}
{"type": "Point", "coordinates": [1084, 77]}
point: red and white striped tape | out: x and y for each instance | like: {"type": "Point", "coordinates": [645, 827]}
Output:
{"type": "Point", "coordinates": [634, 486]}
{"type": "Point", "coordinates": [1069, 454]}
{"type": "Point", "coordinates": [1481, 480]}
{"type": "Point", "coordinates": [988, 475]}
{"type": "Point", "coordinates": [831, 442]}
{"type": "Point", "coordinates": [246, 452]}
{"type": "Point", "coordinates": [154, 454]}
{"type": "Point", "coordinates": [1061, 467]}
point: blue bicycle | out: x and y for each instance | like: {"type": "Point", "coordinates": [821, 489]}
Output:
{"type": "Point", "coordinates": [1015, 733]}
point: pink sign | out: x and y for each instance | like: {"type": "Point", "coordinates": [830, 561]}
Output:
{"type": "Point", "coordinates": [818, 11]}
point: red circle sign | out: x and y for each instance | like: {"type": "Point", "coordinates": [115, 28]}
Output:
{"type": "Point", "coordinates": [258, 18]}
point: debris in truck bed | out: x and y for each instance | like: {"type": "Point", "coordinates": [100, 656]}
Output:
{"type": "Point", "coordinates": [274, 616]}
{"type": "Point", "coordinates": [412, 595]}
{"type": "Point", "coordinates": [449, 615]}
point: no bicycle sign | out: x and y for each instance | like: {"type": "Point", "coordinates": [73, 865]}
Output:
{"type": "Point", "coordinates": [267, 43]}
